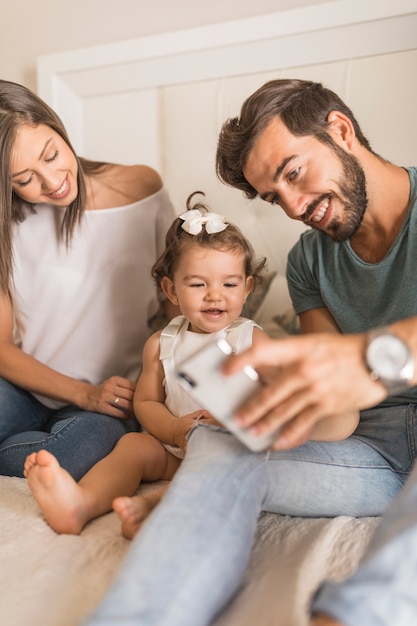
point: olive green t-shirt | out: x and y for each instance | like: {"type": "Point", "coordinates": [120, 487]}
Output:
{"type": "Point", "coordinates": [359, 295]}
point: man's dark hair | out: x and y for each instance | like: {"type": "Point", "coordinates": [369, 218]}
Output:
{"type": "Point", "coordinates": [302, 105]}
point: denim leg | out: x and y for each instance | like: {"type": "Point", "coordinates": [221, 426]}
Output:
{"type": "Point", "coordinates": [77, 438]}
{"type": "Point", "coordinates": [190, 557]}
{"type": "Point", "coordinates": [383, 590]}
{"type": "Point", "coordinates": [20, 411]}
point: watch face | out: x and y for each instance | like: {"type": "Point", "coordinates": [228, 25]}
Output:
{"type": "Point", "coordinates": [388, 355]}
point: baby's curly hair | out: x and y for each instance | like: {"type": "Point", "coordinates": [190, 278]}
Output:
{"type": "Point", "coordinates": [229, 239]}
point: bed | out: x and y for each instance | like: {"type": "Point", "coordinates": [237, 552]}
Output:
{"type": "Point", "coordinates": [55, 580]}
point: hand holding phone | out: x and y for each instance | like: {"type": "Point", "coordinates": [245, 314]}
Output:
{"type": "Point", "coordinates": [222, 395]}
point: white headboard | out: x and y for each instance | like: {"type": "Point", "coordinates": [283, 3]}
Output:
{"type": "Point", "coordinates": [76, 83]}
{"type": "Point", "coordinates": [162, 99]}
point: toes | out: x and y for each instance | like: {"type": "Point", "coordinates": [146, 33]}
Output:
{"type": "Point", "coordinates": [46, 458]}
{"type": "Point", "coordinates": [31, 459]}
{"type": "Point", "coordinates": [29, 463]}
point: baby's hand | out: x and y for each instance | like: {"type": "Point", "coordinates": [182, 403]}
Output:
{"type": "Point", "coordinates": [204, 416]}
{"type": "Point", "coordinates": [196, 415]}
{"type": "Point", "coordinates": [182, 427]}
{"type": "Point", "coordinates": [187, 422]}
{"type": "Point", "coordinates": [207, 418]}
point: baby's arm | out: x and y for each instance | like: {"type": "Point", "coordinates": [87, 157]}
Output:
{"type": "Point", "coordinates": [149, 401]}
{"type": "Point", "coordinates": [335, 428]}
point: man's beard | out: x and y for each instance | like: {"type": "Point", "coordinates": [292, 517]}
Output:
{"type": "Point", "coordinates": [352, 185]}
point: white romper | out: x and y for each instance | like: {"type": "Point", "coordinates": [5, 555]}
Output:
{"type": "Point", "coordinates": [177, 343]}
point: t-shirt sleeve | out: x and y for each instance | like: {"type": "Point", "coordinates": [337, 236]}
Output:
{"type": "Point", "coordinates": [302, 283]}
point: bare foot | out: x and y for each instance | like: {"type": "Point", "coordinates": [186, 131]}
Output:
{"type": "Point", "coordinates": [133, 512]}
{"type": "Point", "coordinates": [56, 492]}
{"type": "Point", "coordinates": [324, 620]}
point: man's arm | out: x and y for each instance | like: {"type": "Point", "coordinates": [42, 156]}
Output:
{"type": "Point", "coordinates": [316, 376]}
{"type": "Point", "coordinates": [309, 378]}
{"type": "Point", "coordinates": [318, 321]}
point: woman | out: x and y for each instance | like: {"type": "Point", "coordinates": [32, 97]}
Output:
{"type": "Point", "coordinates": [79, 239]}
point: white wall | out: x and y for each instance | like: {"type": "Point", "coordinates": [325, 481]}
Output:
{"type": "Point", "coordinates": [30, 28]}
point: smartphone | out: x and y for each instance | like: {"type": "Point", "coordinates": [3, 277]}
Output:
{"type": "Point", "coordinates": [221, 395]}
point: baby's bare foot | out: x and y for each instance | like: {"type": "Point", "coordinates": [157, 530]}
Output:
{"type": "Point", "coordinates": [132, 513]}
{"type": "Point", "coordinates": [56, 492]}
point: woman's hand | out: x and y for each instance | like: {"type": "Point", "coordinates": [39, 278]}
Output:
{"type": "Point", "coordinates": [112, 397]}
{"type": "Point", "coordinates": [306, 379]}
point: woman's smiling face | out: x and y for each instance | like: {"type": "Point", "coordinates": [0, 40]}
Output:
{"type": "Point", "coordinates": [43, 167]}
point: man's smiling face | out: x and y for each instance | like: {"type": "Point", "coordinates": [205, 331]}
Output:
{"type": "Point", "coordinates": [322, 185]}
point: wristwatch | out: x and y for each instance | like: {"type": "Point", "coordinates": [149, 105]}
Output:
{"type": "Point", "coordinates": [389, 360]}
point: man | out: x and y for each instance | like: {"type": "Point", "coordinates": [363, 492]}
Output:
{"type": "Point", "coordinates": [278, 149]}
{"type": "Point", "coordinates": [298, 145]}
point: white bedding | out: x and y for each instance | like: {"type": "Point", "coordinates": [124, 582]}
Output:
{"type": "Point", "coordinates": [55, 580]}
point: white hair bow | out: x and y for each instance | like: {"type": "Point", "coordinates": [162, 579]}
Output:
{"type": "Point", "coordinates": [194, 221]}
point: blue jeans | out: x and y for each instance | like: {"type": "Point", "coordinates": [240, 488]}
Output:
{"type": "Point", "coordinates": [189, 559]}
{"type": "Point", "coordinates": [77, 438]}
{"type": "Point", "coordinates": [383, 590]}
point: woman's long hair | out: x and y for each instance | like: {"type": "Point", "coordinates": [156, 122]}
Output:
{"type": "Point", "coordinates": [20, 107]}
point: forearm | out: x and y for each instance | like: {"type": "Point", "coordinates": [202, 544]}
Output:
{"type": "Point", "coordinates": [158, 421]}
{"type": "Point", "coordinates": [30, 374]}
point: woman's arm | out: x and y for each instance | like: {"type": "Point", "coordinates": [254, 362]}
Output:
{"type": "Point", "coordinates": [30, 374]}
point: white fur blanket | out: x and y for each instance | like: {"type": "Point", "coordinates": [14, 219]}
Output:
{"type": "Point", "coordinates": [55, 580]}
